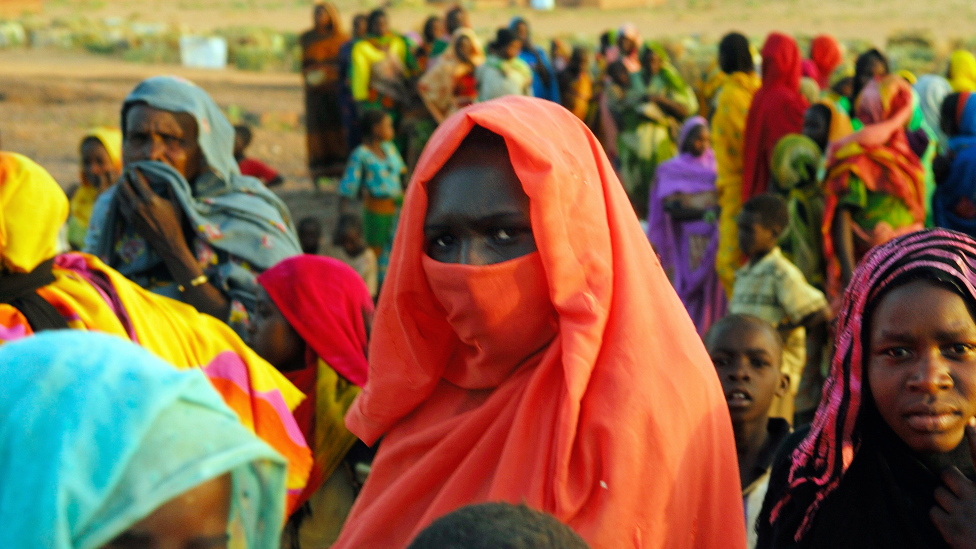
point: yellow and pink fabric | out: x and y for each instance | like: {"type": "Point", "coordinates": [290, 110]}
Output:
{"type": "Point", "coordinates": [91, 296]}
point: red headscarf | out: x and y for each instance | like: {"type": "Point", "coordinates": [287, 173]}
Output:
{"type": "Point", "coordinates": [826, 54]}
{"type": "Point", "coordinates": [327, 303]}
{"type": "Point", "coordinates": [616, 424]}
{"type": "Point", "coordinates": [777, 110]}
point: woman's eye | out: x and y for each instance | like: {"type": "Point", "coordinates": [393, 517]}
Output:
{"type": "Point", "coordinates": [504, 235]}
{"type": "Point", "coordinates": [960, 349]}
{"type": "Point", "coordinates": [759, 364]}
{"type": "Point", "coordinates": [442, 241]}
{"type": "Point", "coordinates": [896, 352]}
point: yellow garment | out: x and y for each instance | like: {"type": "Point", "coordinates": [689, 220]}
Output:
{"type": "Point", "coordinates": [962, 71]}
{"type": "Point", "coordinates": [840, 122]}
{"type": "Point", "coordinates": [28, 197]}
{"type": "Point", "coordinates": [728, 131]}
{"type": "Point", "coordinates": [364, 55]}
{"type": "Point", "coordinates": [333, 397]}
{"type": "Point", "coordinates": [92, 296]}
{"type": "Point", "coordinates": [84, 198]}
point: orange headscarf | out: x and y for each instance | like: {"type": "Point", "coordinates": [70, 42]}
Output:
{"type": "Point", "coordinates": [617, 425]}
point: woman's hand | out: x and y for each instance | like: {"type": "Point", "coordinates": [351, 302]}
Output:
{"type": "Point", "coordinates": [158, 220]}
{"type": "Point", "coordinates": [955, 514]}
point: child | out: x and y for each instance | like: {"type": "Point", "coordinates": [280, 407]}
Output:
{"type": "Point", "coordinates": [747, 352]}
{"type": "Point", "coordinates": [773, 289]}
{"type": "Point", "coordinates": [497, 525]}
{"type": "Point", "coordinates": [251, 166]}
{"type": "Point", "coordinates": [309, 235]}
{"type": "Point", "coordinates": [373, 173]}
{"type": "Point", "coordinates": [887, 462]}
{"type": "Point", "coordinates": [312, 324]}
{"type": "Point", "coordinates": [682, 225]}
{"type": "Point", "coordinates": [101, 165]}
{"type": "Point", "coordinates": [352, 250]}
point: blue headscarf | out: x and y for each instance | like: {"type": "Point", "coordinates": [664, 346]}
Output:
{"type": "Point", "coordinates": [235, 214]}
{"type": "Point", "coordinates": [932, 90]}
{"type": "Point", "coordinates": [96, 433]}
{"type": "Point", "coordinates": [961, 184]}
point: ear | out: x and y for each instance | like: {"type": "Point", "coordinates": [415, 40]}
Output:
{"type": "Point", "coordinates": [784, 384]}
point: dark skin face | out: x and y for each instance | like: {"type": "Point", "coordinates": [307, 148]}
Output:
{"type": "Point", "coordinates": [627, 46]}
{"type": "Point", "coordinates": [196, 519]}
{"type": "Point", "coordinates": [308, 238]}
{"type": "Point", "coordinates": [382, 26]}
{"type": "Point", "coordinates": [464, 49]}
{"type": "Point", "coordinates": [354, 243]}
{"type": "Point", "coordinates": [755, 239]}
{"type": "Point", "coordinates": [747, 359]}
{"type": "Point", "coordinates": [817, 127]}
{"type": "Point", "coordinates": [359, 26]}
{"type": "Point", "coordinates": [877, 68]}
{"type": "Point", "coordinates": [653, 62]}
{"type": "Point", "coordinates": [477, 212]}
{"type": "Point", "coordinates": [97, 165]}
{"type": "Point", "coordinates": [163, 136]}
{"type": "Point", "coordinates": [922, 365]}
{"type": "Point", "coordinates": [513, 49]}
{"type": "Point", "coordinates": [697, 142]}
{"type": "Point", "coordinates": [273, 338]}
{"type": "Point", "coordinates": [321, 18]}
{"type": "Point", "coordinates": [522, 31]}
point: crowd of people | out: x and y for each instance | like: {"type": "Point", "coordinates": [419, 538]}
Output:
{"type": "Point", "coordinates": [575, 300]}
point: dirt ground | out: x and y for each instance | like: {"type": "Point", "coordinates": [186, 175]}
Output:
{"type": "Point", "coordinates": [49, 97]}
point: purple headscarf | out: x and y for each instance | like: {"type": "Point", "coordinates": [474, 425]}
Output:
{"type": "Point", "coordinates": [675, 241]}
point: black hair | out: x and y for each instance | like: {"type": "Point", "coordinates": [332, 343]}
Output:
{"type": "Point", "coordinates": [373, 19]}
{"type": "Point", "coordinates": [369, 120]}
{"type": "Point", "coordinates": [498, 526]}
{"type": "Point", "coordinates": [347, 222]}
{"type": "Point", "coordinates": [734, 54]}
{"type": "Point", "coordinates": [617, 67]}
{"type": "Point", "coordinates": [503, 38]}
{"type": "Point", "coordinates": [751, 320]}
{"type": "Point", "coordinates": [244, 132]}
{"type": "Point", "coordinates": [605, 42]}
{"type": "Point", "coordinates": [947, 113]}
{"type": "Point", "coordinates": [862, 68]}
{"type": "Point", "coordinates": [452, 20]}
{"type": "Point", "coordinates": [770, 209]}
{"type": "Point", "coordinates": [429, 29]}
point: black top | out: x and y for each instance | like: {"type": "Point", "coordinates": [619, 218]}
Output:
{"type": "Point", "coordinates": [883, 501]}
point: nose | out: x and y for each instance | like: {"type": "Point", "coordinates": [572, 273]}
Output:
{"type": "Point", "coordinates": [931, 375]}
{"type": "Point", "coordinates": [472, 252]}
{"type": "Point", "coordinates": [739, 370]}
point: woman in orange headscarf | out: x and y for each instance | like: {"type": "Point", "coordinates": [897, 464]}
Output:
{"type": "Point", "coordinates": [320, 67]}
{"type": "Point", "coordinates": [777, 110]}
{"type": "Point", "coordinates": [528, 347]}
{"type": "Point", "coordinates": [875, 184]}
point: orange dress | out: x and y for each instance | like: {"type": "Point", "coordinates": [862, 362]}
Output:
{"type": "Point", "coordinates": [616, 424]}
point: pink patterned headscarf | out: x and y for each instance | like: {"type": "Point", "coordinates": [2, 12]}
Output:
{"type": "Point", "coordinates": [821, 460]}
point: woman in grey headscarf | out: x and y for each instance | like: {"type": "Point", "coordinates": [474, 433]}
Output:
{"type": "Point", "coordinates": [183, 222]}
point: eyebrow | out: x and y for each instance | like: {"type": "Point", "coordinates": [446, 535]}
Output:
{"type": "Point", "coordinates": [751, 352]}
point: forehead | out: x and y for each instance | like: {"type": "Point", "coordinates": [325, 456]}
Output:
{"type": "Point", "coordinates": [918, 306]}
{"type": "Point", "coordinates": [93, 147]}
{"type": "Point", "coordinates": [742, 336]}
{"type": "Point", "coordinates": [143, 117]}
{"type": "Point", "coordinates": [476, 181]}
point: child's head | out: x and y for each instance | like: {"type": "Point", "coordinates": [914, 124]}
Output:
{"type": "Point", "coordinates": [816, 125]}
{"type": "Point", "coordinates": [376, 125]}
{"type": "Point", "coordinates": [348, 235]}
{"type": "Point", "coordinates": [619, 74]}
{"type": "Point", "coordinates": [949, 114]}
{"type": "Point", "coordinates": [309, 233]}
{"type": "Point", "coordinates": [497, 526]}
{"type": "Point", "coordinates": [97, 166]}
{"type": "Point", "coordinates": [921, 360]}
{"type": "Point", "coordinates": [761, 222]}
{"type": "Point", "coordinates": [433, 29]}
{"type": "Point", "coordinates": [747, 353]}
{"type": "Point", "coordinates": [242, 139]}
